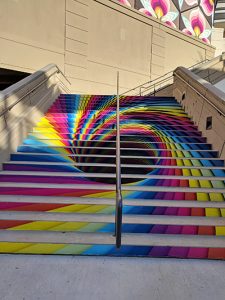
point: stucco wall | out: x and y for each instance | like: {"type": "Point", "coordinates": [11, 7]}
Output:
{"type": "Point", "coordinates": [31, 33]}
{"type": "Point", "coordinates": [218, 40]}
{"type": "Point", "coordinates": [90, 40]}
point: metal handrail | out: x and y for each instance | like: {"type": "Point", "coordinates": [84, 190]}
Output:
{"type": "Point", "coordinates": [159, 80]}
{"type": "Point", "coordinates": [153, 86]}
{"type": "Point", "coordinates": [119, 199]}
{"type": "Point", "coordinates": [31, 90]}
{"type": "Point", "coordinates": [169, 77]}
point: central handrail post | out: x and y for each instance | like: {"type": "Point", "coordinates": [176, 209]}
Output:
{"type": "Point", "coordinates": [119, 203]}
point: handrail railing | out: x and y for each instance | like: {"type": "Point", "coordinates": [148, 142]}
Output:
{"type": "Point", "coordinates": [28, 80]}
{"type": "Point", "coordinates": [119, 200]}
{"type": "Point", "coordinates": [157, 81]}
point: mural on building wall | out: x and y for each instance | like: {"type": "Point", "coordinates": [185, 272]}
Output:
{"type": "Point", "coordinates": [192, 17]}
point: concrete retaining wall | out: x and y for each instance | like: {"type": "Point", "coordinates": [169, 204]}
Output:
{"type": "Point", "coordinates": [90, 40]}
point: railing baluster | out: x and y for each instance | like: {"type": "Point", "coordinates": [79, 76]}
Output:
{"type": "Point", "coordinates": [119, 201]}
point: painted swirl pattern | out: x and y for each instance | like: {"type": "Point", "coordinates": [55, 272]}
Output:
{"type": "Point", "coordinates": [71, 153]}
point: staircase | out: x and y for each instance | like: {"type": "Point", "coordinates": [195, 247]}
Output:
{"type": "Point", "coordinates": [57, 192]}
{"type": "Point", "coordinates": [219, 14]}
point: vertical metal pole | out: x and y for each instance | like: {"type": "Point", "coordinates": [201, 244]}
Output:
{"type": "Point", "coordinates": [118, 215]}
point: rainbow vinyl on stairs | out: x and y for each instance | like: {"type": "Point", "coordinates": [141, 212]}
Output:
{"type": "Point", "coordinates": [61, 181]}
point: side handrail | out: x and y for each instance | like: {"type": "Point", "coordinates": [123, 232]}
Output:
{"type": "Point", "coordinates": [119, 199]}
{"type": "Point", "coordinates": [153, 86]}
{"type": "Point", "coordinates": [29, 80]}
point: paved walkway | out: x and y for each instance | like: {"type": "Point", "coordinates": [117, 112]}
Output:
{"type": "Point", "coordinates": [26, 277]}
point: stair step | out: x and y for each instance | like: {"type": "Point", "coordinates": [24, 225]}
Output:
{"type": "Point", "coordinates": [56, 148]}
{"type": "Point", "coordinates": [86, 142]}
{"type": "Point", "coordinates": [112, 134]}
{"type": "Point", "coordinates": [108, 175]}
{"type": "Point", "coordinates": [57, 156]}
{"type": "Point", "coordinates": [66, 125]}
{"type": "Point", "coordinates": [170, 140]}
{"type": "Point", "coordinates": [111, 187]}
{"type": "Point", "coordinates": [107, 218]}
{"type": "Point", "coordinates": [123, 132]}
{"type": "Point", "coordinates": [110, 201]}
{"type": "Point", "coordinates": [111, 165]}
{"type": "Point", "coordinates": [132, 239]}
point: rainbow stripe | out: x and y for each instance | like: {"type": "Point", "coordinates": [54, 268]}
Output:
{"type": "Point", "coordinates": [77, 137]}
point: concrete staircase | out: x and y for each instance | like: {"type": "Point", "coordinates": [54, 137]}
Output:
{"type": "Point", "coordinates": [219, 15]}
{"type": "Point", "coordinates": [57, 193]}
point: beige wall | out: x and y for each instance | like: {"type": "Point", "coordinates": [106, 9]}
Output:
{"type": "Point", "coordinates": [90, 40]}
{"type": "Point", "coordinates": [218, 40]}
{"type": "Point", "coordinates": [31, 33]}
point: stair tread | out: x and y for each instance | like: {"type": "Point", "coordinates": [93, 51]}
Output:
{"type": "Point", "coordinates": [110, 201]}
{"type": "Point", "coordinates": [114, 156]}
{"type": "Point", "coordinates": [113, 165]}
{"type": "Point", "coordinates": [114, 148]}
{"type": "Point", "coordinates": [110, 218]}
{"type": "Point", "coordinates": [111, 187]}
{"type": "Point", "coordinates": [109, 175]}
{"type": "Point", "coordinates": [108, 239]}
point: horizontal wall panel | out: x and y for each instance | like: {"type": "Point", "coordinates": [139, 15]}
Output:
{"type": "Point", "coordinates": [159, 31]}
{"type": "Point", "coordinates": [158, 50]}
{"type": "Point", "coordinates": [28, 57]}
{"type": "Point", "coordinates": [76, 34]}
{"type": "Point", "coordinates": [184, 54]}
{"type": "Point", "coordinates": [77, 7]}
{"type": "Point", "coordinates": [158, 40]}
{"type": "Point", "coordinates": [76, 21]}
{"type": "Point", "coordinates": [75, 72]}
{"type": "Point", "coordinates": [92, 87]}
{"type": "Point", "coordinates": [107, 75]}
{"type": "Point", "coordinates": [158, 70]}
{"type": "Point", "coordinates": [76, 47]}
{"type": "Point", "coordinates": [157, 60]}
{"type": "Point", "coordinates": [75, 59]}
{"type": "Point", "coordinates": [37, 23]}
{"type": "Point", "coordinates": [118, 40]}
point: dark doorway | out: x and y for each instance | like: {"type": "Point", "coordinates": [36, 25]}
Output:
{"type": "Point", "coordinates": [9, 77]}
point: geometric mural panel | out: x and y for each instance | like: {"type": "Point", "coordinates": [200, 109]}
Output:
{"type": "Point", "coordinates": [192, 17]}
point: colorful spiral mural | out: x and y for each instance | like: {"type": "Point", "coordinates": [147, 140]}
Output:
{"type": "Point", "coordinates": [74, 144]}
{"type": "Point", "coordinates": [192, 17]}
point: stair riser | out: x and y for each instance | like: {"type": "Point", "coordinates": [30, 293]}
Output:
{"type": "Point", "coordinates": [112, 160]}
{"type": "Point", "coordinates": [81, 180]}
{"type": "Point", "coordinates": [111, 150]}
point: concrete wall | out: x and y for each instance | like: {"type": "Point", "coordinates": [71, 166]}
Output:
{"type": "Point", "coordinates": [90, 40]}
{"type": "Point", "coordinates": [211, 104]}
{"type": "Point", "coordinates": [218, 40]}
{"type": "Point", "coordinates": [31, 34]}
